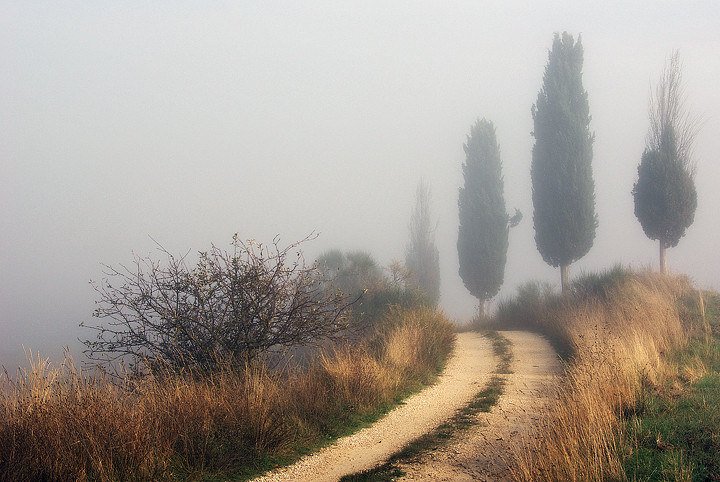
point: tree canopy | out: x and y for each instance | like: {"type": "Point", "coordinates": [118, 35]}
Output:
{"type": "Point", "coordinates": [563, 189]}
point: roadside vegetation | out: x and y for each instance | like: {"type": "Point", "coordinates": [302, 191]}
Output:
{"type": "Point", "coordinates": [673, 430]}
{"type": "Point", "coordinates": [56, 424]}
{"type": "Point", "coordinates": [624, 336]}
{"type": "Point", "coordinates": [219, 417]}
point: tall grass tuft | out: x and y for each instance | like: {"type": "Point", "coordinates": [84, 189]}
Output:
{"type": "Point", "coordinates": [615, 328]}
{"type": "Point", "coordinates": [58, 424]}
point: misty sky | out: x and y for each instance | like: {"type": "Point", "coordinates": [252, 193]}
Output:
{"type": "Point", "coordinates": [190, 121]}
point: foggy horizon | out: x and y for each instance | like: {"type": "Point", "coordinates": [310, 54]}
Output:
{"type": "Point", "coordinates": [126, 124]}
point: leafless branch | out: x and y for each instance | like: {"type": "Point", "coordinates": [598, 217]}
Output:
{"type": "Point", "coordinates": [671, 125]}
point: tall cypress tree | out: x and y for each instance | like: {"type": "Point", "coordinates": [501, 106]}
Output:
{"type": "Point", "coordinates": [563, 189]}
{"type": "Point", "coordinates": [484, 223]}
{"type": "Point", "coordinates": [665, 195]}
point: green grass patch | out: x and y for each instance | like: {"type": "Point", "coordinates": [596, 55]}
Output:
{"type": "Point", "coordinates": [462, 420]}
{"type": "Point", "coordinates": [674, 431]}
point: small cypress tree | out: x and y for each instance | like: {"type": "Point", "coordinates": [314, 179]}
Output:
{"type": "Point", "coordinates": [484, 223]}
{"type": "Point", "coordinates": [563, 189]}
{"type": "Point", "coordinates": [664, 194]}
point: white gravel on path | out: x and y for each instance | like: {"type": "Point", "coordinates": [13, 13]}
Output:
{"type": "Point", "coordinates": [467, 372]}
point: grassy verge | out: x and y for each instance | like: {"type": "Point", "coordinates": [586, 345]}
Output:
{"type": "Point", "coordinates": [673, 431]}
{"type": "Point", "coordinates": [463, 419]}
{"type": "Point", "coordinates": [615, 330]}
{"type": "Point", "coordinates": [56, 424]}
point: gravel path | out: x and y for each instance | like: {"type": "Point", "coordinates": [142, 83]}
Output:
{"type": "Point", "coordinates": [480, 453]}
{"type": "Point", "coordinates": [467, 372]}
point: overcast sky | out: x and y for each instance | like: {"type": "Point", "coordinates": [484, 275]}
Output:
{"type": "Point", "coordinates": [190, 121]}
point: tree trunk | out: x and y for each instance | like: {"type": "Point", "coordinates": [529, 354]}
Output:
{"type": "Point", "coordinates": [663, 259]}
{"type": "Point", "coordinates": [565, 277]}
{"type": "Point", "coordinates": [482, 309]}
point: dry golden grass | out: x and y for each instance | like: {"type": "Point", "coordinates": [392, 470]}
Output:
{"type": "Point", "coordinates": [56, 424]}
{"type": "Point", "coordinates": [618, 335]}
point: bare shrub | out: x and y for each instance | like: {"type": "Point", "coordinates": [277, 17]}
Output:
{"type": "Point", "coordinates": [229, 308]}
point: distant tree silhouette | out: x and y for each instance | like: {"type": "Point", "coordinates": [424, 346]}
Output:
{"type": "Point", "coordinates": [664, 194]}
{"type": "Point", "coordinates": [563, 189]}
{"type": "Point", "coordinates": [484, 223]}
{"type": "Point", "coordinates": [351, 274]}
{"type": "Point", "coordinates": [368, 292]}
{"type": "Point", "coordinates": [422, 257]}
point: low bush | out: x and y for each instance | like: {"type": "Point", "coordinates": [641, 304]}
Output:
{"type": "Point", "coordinates": [370, 292]}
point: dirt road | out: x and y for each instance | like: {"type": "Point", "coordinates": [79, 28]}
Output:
{"type": "Point", "coordinates": [480, 452]}
{"type": "Point", "coordinates": [476, 453]}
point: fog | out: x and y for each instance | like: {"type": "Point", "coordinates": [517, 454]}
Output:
{"type": "Point", "coordinates": [186, 122]}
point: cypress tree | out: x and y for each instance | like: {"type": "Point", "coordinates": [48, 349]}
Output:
{"type": "Point", "coordinates": [664, 194]}
{"type": "Point", "coordinates": [484, 223]}
{"type": "Point", "coordinates": [563, 189]}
